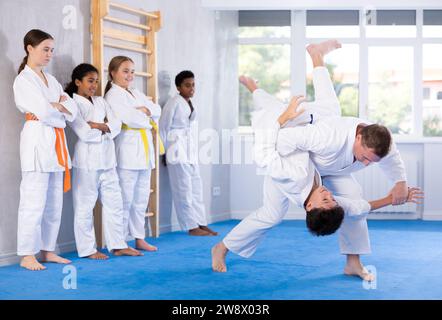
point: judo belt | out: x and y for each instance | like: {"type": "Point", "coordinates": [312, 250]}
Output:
{"type": "Point", "coordinates": [61, 151]}
{"type": "Point", "coordinates": [144, 137]}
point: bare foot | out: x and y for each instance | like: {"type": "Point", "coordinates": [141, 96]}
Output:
{"type": "Point", "coordinates": [47, 256]}
{"type": "Point", "coordinates": [323, 48]}
{"type": "Point", "coordinates": [219, 252]}
{"type": "Point", "coordinates": [127, 252]}
{"type": "Point", "coordinates": [98, 256]}
{"type": "Point", "coordinates": [31, 263]}
{"type": "Point", "coordinates": [359, 271]}
{"type": "Point", "coordinates": [248, 82]}
{"type": "Point", "coordinates": [199, 232]}
{"type": "Point", "coordinates": [206, 228]}
{"type": "Point", "coordinates": [141, 244]}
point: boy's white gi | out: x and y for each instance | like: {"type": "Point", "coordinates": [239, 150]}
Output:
{"type": "Point", "coordinates": [134, 164]}
{"type": "Point", "coordinates": [41, 188]}
{"type": "Point", "coordinates": [177, 125]}
{"type": "Point", "coordinates": [95, 175]}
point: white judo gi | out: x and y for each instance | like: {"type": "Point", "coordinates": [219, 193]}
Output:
{"type": "Point", "coordinates": [177, 131]}
{"type": "Point", "coordinates": [330, 142]}
{"type": "Point", "coordinates": [41, 188]}
{"type": "Point", "coordinates": [135, 154]}
{"type": "Point", "coordinates": [288, 178]}
{"type": "Point", "coordinates": [95, 175]}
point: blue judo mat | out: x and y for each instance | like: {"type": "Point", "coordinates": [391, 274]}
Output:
{"type": "Point", "coordinates": [289, 264]}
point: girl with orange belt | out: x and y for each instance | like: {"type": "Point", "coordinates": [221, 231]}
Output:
{"type": "Point", "coordinates": [43, 153]}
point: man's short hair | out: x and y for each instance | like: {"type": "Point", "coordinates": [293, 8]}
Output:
{"type": "Point", "coordinates": [376, 137]}
{"type": "Point", "coordinates": [322, 222]}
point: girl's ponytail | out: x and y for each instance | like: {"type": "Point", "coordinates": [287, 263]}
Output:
{"type": "Point", "coordinates": [71, 88]}
{"type": "Point", "coordinates": [108, 86]}
{"type": "Point", "coordinates": [23, 64]}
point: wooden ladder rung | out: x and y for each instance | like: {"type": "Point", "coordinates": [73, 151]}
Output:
{"type": "Point", "coordinates": [129, 9]}
{"type": "Point", "coordinates": [139, 73]}
{"type": "Point", "coordinates": [130, 48]}
{"type": "Point", "coordinates": [127, 23]}
{"type": "Point", "coordinates": [125, 36]}
{"type": "Point", "coordinates": [144, 74]}
{"type": "Point", "coordinates": [150, 214]}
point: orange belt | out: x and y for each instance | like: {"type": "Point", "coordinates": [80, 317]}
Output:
{"type": "Point", "coordinates": [62, 152]}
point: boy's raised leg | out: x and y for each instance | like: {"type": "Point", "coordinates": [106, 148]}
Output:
{"type": "Point", "coordinates": [249, 83]}
{"type": "Point", "coordinates": [317, 51]}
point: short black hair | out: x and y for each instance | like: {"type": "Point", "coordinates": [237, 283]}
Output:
{"type": "Point", "coordinates": [180, 77]}
{"type": "Point", "coordinates": [322, 222]}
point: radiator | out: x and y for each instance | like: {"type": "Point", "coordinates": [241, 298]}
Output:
{"type": "Point", "coordinates": [376, 185]}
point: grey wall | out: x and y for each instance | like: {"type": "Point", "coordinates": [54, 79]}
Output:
{"type": "Point", "coordinates": [191, 38]}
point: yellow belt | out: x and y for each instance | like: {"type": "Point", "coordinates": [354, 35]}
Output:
{"type": "Point", "coordinates": [144, 137]}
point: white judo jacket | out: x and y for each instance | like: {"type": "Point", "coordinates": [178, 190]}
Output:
{"type": "Point", "coordinates": [94, 150]}
{"type": "Point", "coordinates": [330, 143]}
{"type": "Point", "coordinates": [293, 173]}
{"type": "Point", "coordinates": [177, 130]}
{"type": "Point", "coordinates": [129, 144]}
{"type": "Point", "coordinates": [37, 139]}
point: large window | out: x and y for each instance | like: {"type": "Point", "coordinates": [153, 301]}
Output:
{"type": "Point", "coordinates": [269, 64]}
{"type": "Point", "coordinates": [432, 73]}
{"type": "Point", "coordinates": [432, 86]}
{"type": "Point", "coordinates": [389, 69]}
{"type": "Point", "coordinates": [390, 87]}
{"type": "Point", "coordinates": [343, 66]}
{"type": "Point", "coordinates": [264, 54]}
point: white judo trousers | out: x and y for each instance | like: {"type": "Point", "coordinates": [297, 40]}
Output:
{"type": "Point", "coordinates": [39, 212]}
{"type": "Point", "coordinates": [88, 185]}
{"type": "Point", "coordinates": [135, 187]}
{"type": "Point", "coordinates": [353, 233]}
{"type": "Point", "coordinates": [248, 234]}
{"type": "Point", "coordinates": [187, 194]}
